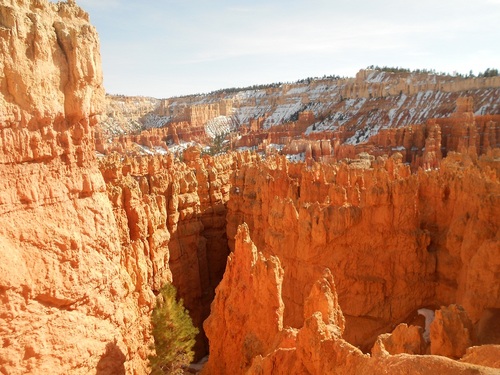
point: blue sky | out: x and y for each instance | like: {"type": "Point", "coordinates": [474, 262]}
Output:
{"type": "Point", "coordinates": [164, 48]}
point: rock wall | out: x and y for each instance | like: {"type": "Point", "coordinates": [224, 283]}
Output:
{"type": "Point", "coordinates": [199, 115]}
{"type": "Point", "coordinates": [126, 114]}
{"type": "Point", "coordinates": [424, 145]}
{"type": "Point", "coordinates": [171, 220]}
{"type": "Point", "coordinates": [394, 241]}
{"type": "Point", "coordinates": [85, 244]}
{"type": "Point", "coordinates": [361, 105]}
{"type": "Point", "coordinates": [67, 304]}
{"type": "Point", "coordinates": [355, 107]}
{"type": "Point", "coordinates": [242, 343]}
{"type": "Point", "coordinates": [152, 139]}
{"type": "Point", "coordinates": [374, 83]}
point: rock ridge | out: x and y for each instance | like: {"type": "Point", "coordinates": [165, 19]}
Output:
{"type": "Point", "coordinates": [350, 245]}
{"type": "Point", "coordinates": [418, 223]}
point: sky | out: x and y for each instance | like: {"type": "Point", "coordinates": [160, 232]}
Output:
{"type": "Point", "coordinates": [166, 48]}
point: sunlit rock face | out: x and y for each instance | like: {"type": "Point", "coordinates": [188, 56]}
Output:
{"type": "Point", "coordinates": [247, 334]}
{"type": "Point", "coordinates": [68, 305]}
{"type": "Point", "coordinates": [395, 242]}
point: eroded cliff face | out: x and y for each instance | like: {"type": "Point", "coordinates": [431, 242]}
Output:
{"type": "Point", "coordinates": [123, 114]}
{"type": "Point", "coordinates": [349, 250]}
{"type": "Point", "coordinates": [353, 108]}
{"type": "Point", "coordinates": [67, 304]}
{"type": "Point", "coordinates": [251, 291]}
{"type": "Point", "coordinates": [171, 218]}
{"type": "Point", "coordinates": [394, 241]}
{"type": "Point", "coordinates": [318, 345]}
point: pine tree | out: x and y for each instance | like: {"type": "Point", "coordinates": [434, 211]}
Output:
{"type": "Point", "coordinates": [173, 332]}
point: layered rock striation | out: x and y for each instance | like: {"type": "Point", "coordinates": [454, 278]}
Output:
{"type": "Point", "coordinates": [424, 145]}
{"type": "Point", "coordinates": [356, 108]}
{"type": "Point", "coordinates": [171, 217]}
{"type": "Point", "coordinates": [348, 250]}
{"type": "Point", "coordinates": [67, 305]}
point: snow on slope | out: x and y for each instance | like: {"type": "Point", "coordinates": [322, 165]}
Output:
{"type": "Point", "coordinates": [349, 103]}
{"type": "Point", "coordinates": [283, 113]}
{"type": "Point", "coordinates": [218, 126]}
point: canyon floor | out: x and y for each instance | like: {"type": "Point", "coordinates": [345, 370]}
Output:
{"type": "Point", "coordinates": [327, 226]}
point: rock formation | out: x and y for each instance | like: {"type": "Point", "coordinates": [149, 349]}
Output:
{"type": "Point", "coordinates": [451, 332]}
{"type": "Point", "coordinates": [125, 115]}
{"type": "Point", "coordinates": [422, 145]}
{"type": "Point", "coordinates": [362, 221]}
{"type": "Point", "coordinates": [251, 290]}
{"type": "Point", "coordinates": [241, 344]}
{"type": "Point", "coordinates": [67, 304]}
{"type": "Point", "coordinates": [485, 355]}
{"type": "Point", "coordinates": [348, 251]}
{"type": "Point", "coordinates": [404, 339]}
{"type": "Point", "coordinates": [171, 220]}
{"type": "Point", "coordinates": [426, 144]}
{"type": "Point", "coordinates": [351, 110]}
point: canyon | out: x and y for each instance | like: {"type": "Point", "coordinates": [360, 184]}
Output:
{"type": "Point", "coordinates": [343, 208]}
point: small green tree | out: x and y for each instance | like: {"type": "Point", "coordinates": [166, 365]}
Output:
{"type": "Point", "coordinates": [173, 333]}
{"type": "Point", "coordinates": [219, 144]}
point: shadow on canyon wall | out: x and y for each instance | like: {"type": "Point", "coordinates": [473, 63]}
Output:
{"type": "Point", "coordinates": [112, 361]}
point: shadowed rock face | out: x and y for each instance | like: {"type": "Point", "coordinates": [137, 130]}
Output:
{"type": "Point", "coordinates": [174, 216]}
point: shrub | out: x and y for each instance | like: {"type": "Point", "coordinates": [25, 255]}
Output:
{"type": "Point", "coordinates": [219, 144]}
{"type": "Point", "coordinates": [173, 333]}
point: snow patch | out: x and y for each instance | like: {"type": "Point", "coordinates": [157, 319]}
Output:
{"type": "Point", "coordinates": [283, 113]}
{"type": "Point", "coordinates": [296, 158]}
{"type": "Point", "coordinates": [181, 147]}
{"type": "Point", "coordinates": [218, 126]}
{"type": "Point", "coordinates": [429, 317]}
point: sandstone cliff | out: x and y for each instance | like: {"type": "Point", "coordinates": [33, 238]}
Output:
{"type": "Point", "coordinates": [251, 292]}
{"type": "Point", "coordinates": [424, 145]}
{"type": "Point", "coordinates": [356, 107]}
{"type": "Point", "coordinates": [124, 114]}
{"type": "Point", "coordinates": [171, 218]}
{"type": "Point", "coordinates": [423, 127]}
{"type": "Point", "coordinates": [67, 304]}
{"type": "Point", "coordinates": [348, 250]}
